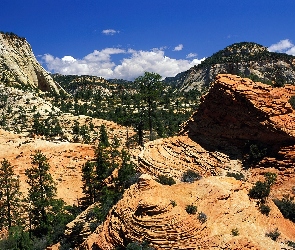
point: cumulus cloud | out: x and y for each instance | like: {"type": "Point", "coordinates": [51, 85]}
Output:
{"type": "Point", "coordinates": [178, 47]}
{"type": "Point", "coordinates": [283, 46]}
{"type": "Point", "coordinates": [110, 32]}
{"type": "Point", "coordinates": [191, 55]}
{"type": "Point", "coordinates": [133, 64]}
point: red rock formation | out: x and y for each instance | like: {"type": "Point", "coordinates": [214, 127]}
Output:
{"type": "Point", "coordinates": [237, 109]}
{"type": "Point", "coordinates": [147, 212]}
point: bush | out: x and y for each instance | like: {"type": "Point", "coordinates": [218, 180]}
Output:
{"type": "Point", "coordinates": [202, 217]}
{"type": "Point", "coordinates": [292, 101]}
{"type": "Point", "coordinates": [260, 190]}
{"type": "Point", "coordinates": [165, 180]}
{"type": "Point", "coordinates": [191, 209]}
{"type": "Point", "coordinates": [173, 203]}
{"type": "Point", "coordinates": [237, 176]}
{"type": "Point", "coordinates": [264, 209]}
{"type": "Point", "coordinates": [274, 235]}
{"type": "Point", "coordinates": [287, 208]}
{"type": "Point", "coordinates": [190, 176]}
{"type": "Point", "coordinates": [235, 232]}
{"type": "Point", "coordinates": [139, 246]}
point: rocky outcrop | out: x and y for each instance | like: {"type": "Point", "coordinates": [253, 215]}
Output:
{"type": "Point", "coordinates": [155, 213]}
{"type": "Point", "coordinates": [174, 156]}
{"type": "Point", "coordinates": [237, 110]}
{"type": "Point", "coordinates": [19, 67]}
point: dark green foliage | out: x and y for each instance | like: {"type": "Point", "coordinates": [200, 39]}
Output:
{"type": "Point", "coordinates": [264, 209]}
{"type": "Point", "coordinates": [127, 173]}
{"type": "Point", "coordinates": [47, 215]}
{"type": "Point", "coordinates": [237, 176]}
{"type": "Point", "coordinates": [139, 246]}
{"type": "Point", "coordinates": [254, 153]}
{"type": "Point", "coordinates": [17, 239]}
{"type": "Point", "coordinates": [150, 86]}
{"type": "Point", "coordinates": [89, 185]}
{"type": "Point", "coordinates": [287, 208]}
{"type": "Point", "coordinates": [191, 209]}
{"type": "Point", "coordinates": [47, 127]}
{"type": "Point", "coordinates": [235, 232]}
{"type": "Point", "coordinates": [291, 244]}
{"type": "Point", "coordinates": [103, 136]}
{"type": "Point", "coordinates": [173, 203]}
{"type": "Point", "coordinates": [9, 196]}
{"type": "Point", "coordinates": [202, 217]}
{"type": "Point", "coordinates": [165, 180]}
{"type": "Point", "coordinates": [292, 101]}
{"type": "Point", "coordinates": [190, 176]}
{"type": "Point", "coordinates": [42, 190]}
{"type": "Point", "coordinates": [274, 235]}
{"type": "Point", "coordinates": [260, 190]}
{"type": "Point", "coordinates": [270, 178]}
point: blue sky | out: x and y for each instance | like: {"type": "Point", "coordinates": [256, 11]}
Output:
{"type": "Point", "coordinates": [125, 38]}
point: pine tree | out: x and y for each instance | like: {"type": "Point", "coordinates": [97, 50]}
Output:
{"type": "Point", "coordinates": [88, 178]}
{"type": "Point", "coordinates": [103, 137]}
{"type": "Point", "coordinates": [9, 195]}
{"type": "Point", "coordinates": [41, 194]}
{"type": "Point", "coordinates": [150, 86]}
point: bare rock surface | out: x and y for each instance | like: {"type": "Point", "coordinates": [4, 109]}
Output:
{"type": "Point", "coordinates": [18, 65]}
{"type": "Point", "coordinates": [157, 213]}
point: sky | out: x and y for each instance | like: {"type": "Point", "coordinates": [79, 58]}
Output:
{"type": "Point", "coordinates": [125, 38]}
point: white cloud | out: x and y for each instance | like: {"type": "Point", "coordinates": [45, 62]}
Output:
{"type": "Point", "coordinates": [110, 32]}
{"type": "Point", "coordinates": [133, 64]}
{"type": "Point", "coordinates": [283, 46]}
{"type": "Point", "coordinates": [178, 47]}
{"type": "Point", "coordinates": [191, 55]}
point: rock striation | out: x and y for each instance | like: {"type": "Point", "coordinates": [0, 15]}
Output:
{"type": "Point", "coordinates": [155, 213]}
{"type": "Point", "coordinates": [19, 67]}
{"type": "Point", "coordinates": [237, 110]}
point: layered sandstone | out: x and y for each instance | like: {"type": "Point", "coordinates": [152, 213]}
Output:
{"type": "Point", "coordinates": [156, 213]}
{"type": "Point", "coordinates": [18, 65]}
{"type": "Point", "coordinates": [237, 109]}
{"type": "Point", "coordinates": [174, 156]}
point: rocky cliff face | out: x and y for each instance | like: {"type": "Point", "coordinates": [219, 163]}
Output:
{"type": "Point", "coordinates": [245, 59]}
{"type": "Point", "coordinates": [19, 67]}
{"type": "Point", "coordinates": [237, 111]}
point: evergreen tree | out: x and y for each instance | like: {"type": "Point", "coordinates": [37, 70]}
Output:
{"type": "Point", "coordinates": [150, 86]}
{"type": "Point", "coordinates": [9, 196]}
{"type": "Point", "coordinates": [103, 136]}
{"type": "Point", "coordinates": [41, 195]}
{"type": "Point", "coordinates": [89, 186]}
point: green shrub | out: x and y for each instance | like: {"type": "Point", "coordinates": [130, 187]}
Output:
{"type": "Point", "coordinates": [260, 190]}
{"type": "Point", "coordinates": [173, 203]}
{"type": "Point", "coordinates": [191, 209]}
{"type": "Point", "coordinates": [237, 176]}
{"type": "Point", "coordinates": [274, 235]}
{"type": "Point", "coordinates": [190, 176]}
{"type": "Point", "coordinates": [139, 246]}
{"type": "Point", "coordinates": [287, 208]}
{"type": "Point", "coordinates": [264, 209]}
{"type": "Point", "coordinates": [292, 101]}
{"type": "Point", "coordinates": [202, 217]}
{"type": "Point", "coordinates": [235, 232]}
{"type": "Point", "coordinates": [165, 180]}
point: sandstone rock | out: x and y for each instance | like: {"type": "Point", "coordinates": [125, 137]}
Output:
{"type": "Point", "coordinates": [149, 214]}
{"type": "Point", "coordinates": [18, 65]}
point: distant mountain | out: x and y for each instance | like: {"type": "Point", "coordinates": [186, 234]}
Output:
{"type": "Point", "coordinates": [19, 67]}
{"type": "Point", "coordinates": [246, 59]}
